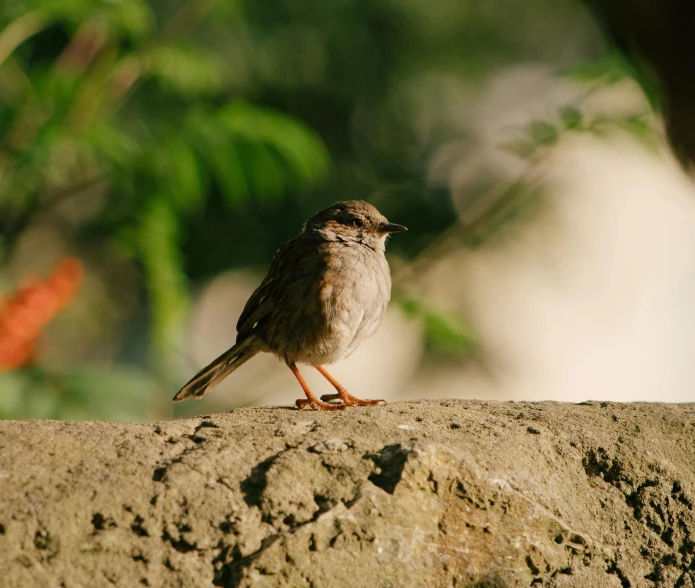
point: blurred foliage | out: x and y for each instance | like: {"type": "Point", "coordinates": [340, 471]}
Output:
{"type": "Point", "coordinates": [541, 135]}
{"type": "Point", "coordinates": [535, 140]}
{"type": "Point", "coordinates": [123, 394]}
{"type": "Point", "coordinates": [445, 332]}
{"type": "Point", "coordinates": [182, 139]}
{"type": "Point", "coordinates": [118, 94]}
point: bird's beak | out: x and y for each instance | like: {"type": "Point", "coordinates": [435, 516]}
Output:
{"type": "Point", "coordinates": [391, 228]}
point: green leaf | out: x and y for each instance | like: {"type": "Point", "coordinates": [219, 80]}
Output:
{"type": "Point", "coordinates": [571, 117]}
{"type": "Point", "coordinates": [179, 173]}
{"type": "Point", "coordinates": [615, 67]}
{"type": "Point", "coordinates": [158, 244]}
{"type": "Point", "coordinates": [222, 156]}
{"type": "Point", "coordinates": [256, 151]}
{"type": "Point", "coordinates": [187, 70]}
{"type": "Point", "coordinates": [609, 69]}
{"type": "Point", "coordinates": [228, 168]}
{"type": "Point", "coordinates": [265, 173]}
{"type": "Point", "coordinates": [543, 133]}
{"type": "Point", "coordinates": [296, 143]}
{"type": "Point", "coordinates": [522, 147]}
{"type": "Point", "coordinates": [640, 127]}
{"type": "Point", "coordinates": [118, 148]}
{"type": "Point", "coordinates": [449, 333]}
{"type": "Point", "coordinates": [133, 17]}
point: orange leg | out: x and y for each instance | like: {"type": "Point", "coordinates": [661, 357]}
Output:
{"type": "Point", "coordinates": [347, 399]}
{"type": "Point", "coordinates": [310, 399]}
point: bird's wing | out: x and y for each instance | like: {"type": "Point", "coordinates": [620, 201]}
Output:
{"type": "Point", "coordinates": [258, 306]}
{"type": "Point", "coordinates": [292, 261]}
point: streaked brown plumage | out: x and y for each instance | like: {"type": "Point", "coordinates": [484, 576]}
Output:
{"type": "Point", "coordinates": [324, 295]}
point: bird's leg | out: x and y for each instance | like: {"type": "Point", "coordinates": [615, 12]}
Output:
{"type": "Point", "coordinates": [347, 398]}
{"type": "Point", "coordinates": [310, 399]}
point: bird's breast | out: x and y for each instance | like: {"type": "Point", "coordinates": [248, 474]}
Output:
{"type": "Point", "coordinates": [327, 317]}
{"type": "Point", "coordinates": [354, 295]}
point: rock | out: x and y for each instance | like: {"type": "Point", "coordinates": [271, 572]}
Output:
{"type": "Point", "coordinates": [436, 493]}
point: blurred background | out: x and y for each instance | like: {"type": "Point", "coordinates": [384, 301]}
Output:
{"type": "Point", "coordinates": [154, 155]}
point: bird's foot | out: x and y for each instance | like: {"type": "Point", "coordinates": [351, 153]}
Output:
{"type": "Point", "coordinates": [350, 400]}
{"type": "Point", "coordinates": [305, 403]}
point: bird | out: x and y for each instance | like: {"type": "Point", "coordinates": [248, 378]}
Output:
{"type": "Point", "coordinates": [324, 295]}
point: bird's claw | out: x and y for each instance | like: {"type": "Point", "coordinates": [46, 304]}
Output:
{"type": "Point", "coordinates": [305, 404]}
{"type": "Point", "coordinates": [349, 400]}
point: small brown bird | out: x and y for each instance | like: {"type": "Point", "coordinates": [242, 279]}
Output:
{"type": "Point", "coordinates": [324, 295]}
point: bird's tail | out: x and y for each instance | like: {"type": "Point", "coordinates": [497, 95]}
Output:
{"type": "Point", "coordinates": [211, 375]}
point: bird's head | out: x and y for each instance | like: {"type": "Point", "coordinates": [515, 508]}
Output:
{"type": "Point", "coordinates": [353, 221]}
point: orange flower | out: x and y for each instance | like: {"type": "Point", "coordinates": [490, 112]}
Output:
{"type": "Point", "coordinates": [24, 314]}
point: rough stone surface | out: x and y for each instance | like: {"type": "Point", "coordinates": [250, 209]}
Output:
{"type": "Point", "coordinates": [437, 493]}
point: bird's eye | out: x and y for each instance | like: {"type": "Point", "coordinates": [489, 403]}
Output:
{"type": "Point", "coordinates": [357, 222]}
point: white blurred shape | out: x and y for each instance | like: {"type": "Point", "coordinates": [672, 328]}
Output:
{"type": "Point", "coordinates": [598, 300]}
